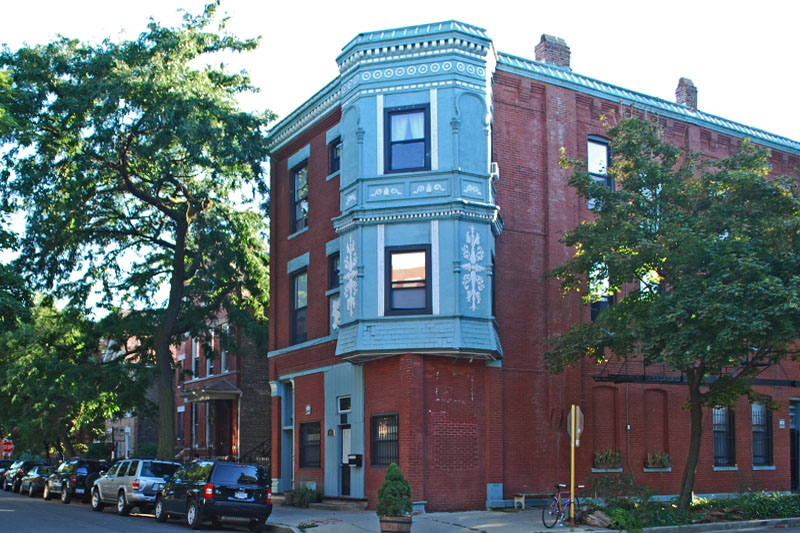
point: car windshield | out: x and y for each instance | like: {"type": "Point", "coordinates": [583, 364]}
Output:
{"type": "Point", "coordinates": [240, 475]}
{"type": "Point", "coordinates": [158, 469]}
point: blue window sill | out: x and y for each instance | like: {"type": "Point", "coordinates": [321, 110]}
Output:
{"type": "Point", "coordinates": [726, 468]}
{"type": "Point", "coordinates": [334, 175]}
{"type": "Point", "coordinates": [296, 233]}
{"type": "Point", "coordinates": [763, 467]}
{"type": "Point", "coordinates": [601, 470]}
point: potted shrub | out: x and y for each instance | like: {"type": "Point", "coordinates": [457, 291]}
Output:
{"type": "Point", "coordinates": [658, 459]}
{"type": "Point", "coordinates": [608, 458]}
{"type": "Point", "coordinates": [394, 501]}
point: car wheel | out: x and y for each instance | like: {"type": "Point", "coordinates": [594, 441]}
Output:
{"type": "Point", "coordinates": [66, 497]}
{"type": "Point", "coordinates": [193, 515]}
{"type": "Point", "coordinates": [123, 509]}
{"type": "Point", "coordinates": [16, 487]}
{"type": "Point", "coordinates": [97, 503]}
{"type": "Point", "coordinates": [160, 511]}
{"type": "Point", "coordinates": [47, 495]}
{"type": "Point", "coordinates": [5, 484]}
{"type": "Point", "coordinates": [257, 525]}
{"type": "Point", "coordinates": [31, 491]}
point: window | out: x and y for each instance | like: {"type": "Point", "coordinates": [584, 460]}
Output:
{"type": "Point", "coordinates": [762, 434]}
{"type": "Point", "coordinates": [180, 426]}
{"type": "Point", "coordinates": [407, 279]}
{"type": "Point", "coordinates": [195, 422]}
{"type": "Point", "coordinates": [383, 440]}
{"type": "Point", "coordinates": [309, 445]}
{"type": "Point", "coordinates": [724, 436]}
{"type": "Point", "coordinates": [209, 424]}
{"type": "Point", "coordinates": [407, 139]}
{"type": "Point", "coordinates": [597, 162]}
{"type": "Point", "coordinates": [223, 362]}
{"type": "Point", "coordinates": [334, 155]}
{"type": "Point", "coordinates": [600, 290]}
{"type": "Point", "coordinates": [344, 404]}
{"type": "Point", "coordinates": [300, 307]}
{"type": "Point", "coordinates": [333, 271]}
{"type": "Point", "coordinates": [300, 197]}
{"type": "Point", "coordinates": [195, 359]}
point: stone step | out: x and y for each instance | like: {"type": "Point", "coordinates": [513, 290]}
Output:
{"type": "Point", "coordinates": [340, 504]}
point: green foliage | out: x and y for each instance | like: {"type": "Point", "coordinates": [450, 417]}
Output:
{"type": "Point", "coordinates": [148, 449]}
{"type": "Point", "coordinates": [618, 490]}
{"type": "Point", "coordinates": [607, 457]}
{"type": "Point", "coordinates": [55, 388]}
{"type": "Point", "coordinates": [99, 450]}
{"type": "Point", "coordinates": [304, 495]}
{"type": "Point", "coordinates": [708, 255]}
{"type": "Point", "coordinates": [131, 160]}
{"type": "Point", "coordinates": [394, 495]}
{"type": "Point", "coordinates": [623, 520]}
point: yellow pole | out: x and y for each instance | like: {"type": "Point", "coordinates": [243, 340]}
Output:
{"type": "Point", "coordinates": [572, 466]}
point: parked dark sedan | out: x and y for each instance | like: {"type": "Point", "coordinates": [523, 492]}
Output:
{"type": "Point", "coordinates": [13, 476]}
{"type": "Point", "coordinates": [74, 478]}
{"type": "Point", "coordinates": [34, 479]}
{"type": "Point", "coordinates": [213, 490]}
{"type": "Point", "coordinates": [4, 464]}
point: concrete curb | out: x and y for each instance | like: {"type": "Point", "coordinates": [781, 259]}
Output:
{"type": "Point", "coordinates": [727, 526]}
{"type": "Point", "coordinates": [280, 528]}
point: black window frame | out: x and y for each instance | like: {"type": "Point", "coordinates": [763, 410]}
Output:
{"type": "Point", "coordinates": [310, 453]}
{"type": "Point", "coordinates": [384, 450]}
{"type": "Point", "coordinates": [334, 156]}
{"type": "Point", "coordinates": [723, 420]}
{"type": "Point", "coordinates": [179, 416]}
{"type": "Point", "coordinates": [389, 112]}
{"type": "Point", "coordinates": [299, 222]}
{"type": "Point", "coordinates": [389, 289]}
{"type": "Point", "coordinates": [605, 178]}
{"type": "Point", "coordinates": [762, 437]}
{"type": "Point", "coordinates": [298, 312]}
{"type": "Point", "coordinates": [334, 266]}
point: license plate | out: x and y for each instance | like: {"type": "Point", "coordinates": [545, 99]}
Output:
{"type": "Point", "coordinates": [241, 495]}
{"type": "Point", "coordinates": [78, 490]}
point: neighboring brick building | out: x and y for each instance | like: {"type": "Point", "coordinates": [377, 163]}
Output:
{"type": "Point", "coordinates": [222, 400]}
{"type": "Point", "coordinates": [409, 319]}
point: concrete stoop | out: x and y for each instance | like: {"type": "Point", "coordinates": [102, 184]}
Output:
{"type": "Point", "coordinates": [339, 504]}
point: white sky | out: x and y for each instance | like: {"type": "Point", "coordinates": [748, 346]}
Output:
{"type": "Point", "coordinates": [742, 56]}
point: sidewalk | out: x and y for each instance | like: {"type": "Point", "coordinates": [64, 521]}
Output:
{"type": "Point", "coordinates": [291, 519]}
{"type": "Point", "coordinates": [294, 520]}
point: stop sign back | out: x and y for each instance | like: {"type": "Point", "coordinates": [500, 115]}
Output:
{"type": "Point", "coordinates": [8, 446]}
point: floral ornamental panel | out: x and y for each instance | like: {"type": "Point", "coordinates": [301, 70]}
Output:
{"type": "Point", "coordinates": [350, 274]}
{"type": "Point", "coordinates": [472, 281]}
{"type": "Point", "coordinates": [336, 313]}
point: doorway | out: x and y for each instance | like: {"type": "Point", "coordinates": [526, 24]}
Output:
{"type": "Point", "coordinates": [344, 489]}
{"type": "Point", "coordinates": [794, 442]}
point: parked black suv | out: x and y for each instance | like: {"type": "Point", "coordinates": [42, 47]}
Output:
{"type": "Point", "coordinates": [13, 476]}
{"type": "Point", "coordinates": [213, 490]}
{"type": "Point", "coordinates": [74, 478]}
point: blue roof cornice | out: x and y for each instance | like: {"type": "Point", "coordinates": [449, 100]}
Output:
{"type": "Point", "coordinates": [312, 109]}
{"type": "Point", "coordinates": [567, 78]}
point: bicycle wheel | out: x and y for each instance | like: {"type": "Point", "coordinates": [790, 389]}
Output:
{"type": "Point", "coordinates": [551, 513]}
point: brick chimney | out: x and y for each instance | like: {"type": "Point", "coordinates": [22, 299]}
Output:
{"type": "Point", "coordinates": [553, 50]}
{"type": "Point", "coordinates": [686, 93]}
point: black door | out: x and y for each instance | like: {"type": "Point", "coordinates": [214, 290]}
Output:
{"type": "Point", "coordinates": [793, 435]}
{"type": "Point", "coordinates": [345, 475]}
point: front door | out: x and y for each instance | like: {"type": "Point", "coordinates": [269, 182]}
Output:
{"type": "Point", "coordinates": [794, 443]}
{"type": "Point", "coordinates": [345, 477]}
{"type": "Point", "coordinates": [223, 430]}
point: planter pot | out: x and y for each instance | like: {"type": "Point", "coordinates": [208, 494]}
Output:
{"type": "Point", "coordinates": [395, 523]}
{"type": "Point", "coordinates": [288, 498]}
{"type": "Point", "coordinates": [609, 466]}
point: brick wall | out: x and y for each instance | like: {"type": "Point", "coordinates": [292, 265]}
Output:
{"type": "Point", "coordinates": [309, 390]}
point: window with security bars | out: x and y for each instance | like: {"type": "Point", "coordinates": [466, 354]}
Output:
{"type": "Point", "coordinates": [384, 444]}
{"type": "Point", "coordinates": [762, 434]}
{"type": "Point", "coordinates": [310, 445]}
{"type": "Point", "coordinates": [724, 437]}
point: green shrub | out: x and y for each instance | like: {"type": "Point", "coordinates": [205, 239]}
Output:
{"type": "Point", "coordinates": [148, 449]}
{"type": "Point", "coordinates": [624, 520]}
{"type": "Point", "coordinates": [99, 450]}
{"type": "Point", "coordinates": [394, 496]}
{"type": "Point", "coordinates": [303, 496]}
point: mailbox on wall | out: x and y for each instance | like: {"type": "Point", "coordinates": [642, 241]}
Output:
{"type": "Point", "coordinates": [355, 459]}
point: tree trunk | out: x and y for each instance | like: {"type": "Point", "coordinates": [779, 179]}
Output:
{"type": "Point", "coordinates": [695, 379]}
{"type": "Point", "coordinates": [166, 377]}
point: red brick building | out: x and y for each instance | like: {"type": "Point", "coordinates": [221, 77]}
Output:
{"type": "Point", "coordinates": [409, 318]}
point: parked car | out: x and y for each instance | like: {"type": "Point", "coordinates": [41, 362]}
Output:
{"type": "Point", "coordinates": [74, 478]}
{"type": "Point", "coordinates": [213, 490]}
{"type": "Point", "coordinates": [34, 479]}
{"type": "Point", "coordinates": [131, 483]}
{"type": "Point", "coordinates": [13, 476]}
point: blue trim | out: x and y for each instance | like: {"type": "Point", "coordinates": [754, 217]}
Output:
{"type": "Point", "coordinates": [334, 175]}
{"type": "Point", "coordinates": [331, 247]}
{"type": "Point", "coordinates": [308, 372]}
{"type": "Point", "coordinates": [332, 134]}
{"type": "Point", "coordinates": [298, 263]}
{"type": "Point", "coordinates": [725, 468]}
{"type": "Point", "coordinates": [601, 470]}
{"type": "Point", "coordinates": [299, 156]}
{"type": "Point", "coordinates": [667, 469]}
{"type": "Point", "coordinates": [296, 233]}
{"type": "Point", "coordinates": [301, 346]}
{"type": "Point", "coordinates": [763, 467]}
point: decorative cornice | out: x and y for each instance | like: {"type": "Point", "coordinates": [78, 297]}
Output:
{"type": "Point", "coordinates": [571, 80]}
{"type": "Point", "coordinates": [350, 220]}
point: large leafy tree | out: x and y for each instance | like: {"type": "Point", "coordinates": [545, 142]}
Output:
{"type": "Point", "coordinates": [125, 158]}
{"type": "Point", "coordinates": [55, 386]}
{"type": "Point", "coordinates": [708, 254]}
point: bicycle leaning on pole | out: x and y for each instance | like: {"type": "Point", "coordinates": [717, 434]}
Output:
{"type": "Point", "coordinates": [557, 509]}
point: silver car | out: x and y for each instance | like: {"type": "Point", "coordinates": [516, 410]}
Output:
{"type": "Point", "coordinates": [131, 483]}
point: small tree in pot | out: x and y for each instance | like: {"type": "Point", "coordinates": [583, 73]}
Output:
{"type": "Point", "coordinates": [394, 501]}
